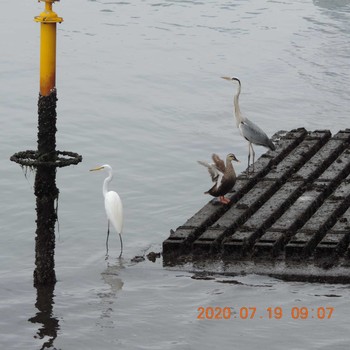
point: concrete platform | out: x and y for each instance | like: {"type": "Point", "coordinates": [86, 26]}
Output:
{"type": "Point", "coordinates": [290, 219]}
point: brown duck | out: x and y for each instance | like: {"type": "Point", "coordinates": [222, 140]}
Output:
{"type": "Point", "coordinates": [223, 175]}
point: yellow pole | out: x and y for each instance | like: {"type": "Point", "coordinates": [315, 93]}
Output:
{"type": "Point", "coordinates": [48, 20]}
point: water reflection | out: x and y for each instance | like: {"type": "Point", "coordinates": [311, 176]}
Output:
{"type": "Point", "coordinates": [332, 5]}
{"type": "Point", "coordinates": [111, 277]}
{"type": "Point", "coordinates": [49, 324]}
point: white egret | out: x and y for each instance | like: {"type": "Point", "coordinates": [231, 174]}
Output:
{"type": "Point", "coordinates": [223, 175]}
{"type": "Point", "coordinates": [250, 131]}
{"type": "Point", "coordinates": [113, 205]}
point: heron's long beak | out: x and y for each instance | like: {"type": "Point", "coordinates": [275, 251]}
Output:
{"type": "Point", "coordinates": [226, 78]}
{"type": "Point", "coordinates": [99, 168]}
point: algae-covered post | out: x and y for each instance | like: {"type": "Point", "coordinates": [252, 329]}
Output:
{"type": "Point", "coordinates": [46, 159]}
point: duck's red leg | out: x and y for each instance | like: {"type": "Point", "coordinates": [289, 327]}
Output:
{"type": "Point", "coordinates": [224, 200]}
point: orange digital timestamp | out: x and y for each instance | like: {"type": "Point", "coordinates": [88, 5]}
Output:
{"type": "Point", "coordinates": [277, 313]}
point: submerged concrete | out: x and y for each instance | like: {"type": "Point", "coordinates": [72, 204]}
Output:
{"type": "Point", "coordinates": [291, 218]}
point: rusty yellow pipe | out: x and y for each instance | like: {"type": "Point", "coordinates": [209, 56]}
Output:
{"type": "Point", "coordinates": [48, 20]}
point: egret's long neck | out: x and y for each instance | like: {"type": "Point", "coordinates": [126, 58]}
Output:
{"type": "Point", "coordinates": [105, 184]}
{"type": "Point", "coordinates": [239, 117]}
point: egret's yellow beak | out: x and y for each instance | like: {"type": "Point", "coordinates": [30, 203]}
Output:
{"type": "Point", "coordinates": [95, 169]}
{"type": "Point", "coordinates": [226, 78]}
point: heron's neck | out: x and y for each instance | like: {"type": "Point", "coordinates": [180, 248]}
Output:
{"type": "Point", "coordinates": [105, 184]}
{"type": "Point", "coordinates": [238, 114]}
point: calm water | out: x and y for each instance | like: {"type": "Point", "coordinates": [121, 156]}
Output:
{"type": "Point", "coordinates": [139, 88]}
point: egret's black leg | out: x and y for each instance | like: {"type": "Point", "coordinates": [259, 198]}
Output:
{"type": "Point", "coordinates": [121, 245]}
{"type": "Point", "coordinates": [107, 240]}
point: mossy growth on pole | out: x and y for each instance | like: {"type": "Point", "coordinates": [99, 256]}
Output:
{"type": "Point", "coordinates": [46, 160]}
{"type": "Point", "coordinates": [46, 192]}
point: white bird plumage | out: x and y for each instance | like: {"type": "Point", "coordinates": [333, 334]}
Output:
{"type": "Point", "coordinates": [250, 131]}
{"type": "Point", "coordinates": [113, 205]}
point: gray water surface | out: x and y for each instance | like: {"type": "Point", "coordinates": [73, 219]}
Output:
{"type": "Point", "coordinates": [139, 88]}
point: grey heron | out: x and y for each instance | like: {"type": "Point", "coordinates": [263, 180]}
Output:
{"type": "Point", "coordinates": [250, 131]}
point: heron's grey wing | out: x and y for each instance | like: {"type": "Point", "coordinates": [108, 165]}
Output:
{"type": "Point", "coordinates": [254, 134]}
{"type": "Point", "coordinates": [219, 163]}
{"type": "Point", "coordinates": [213, 171]}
